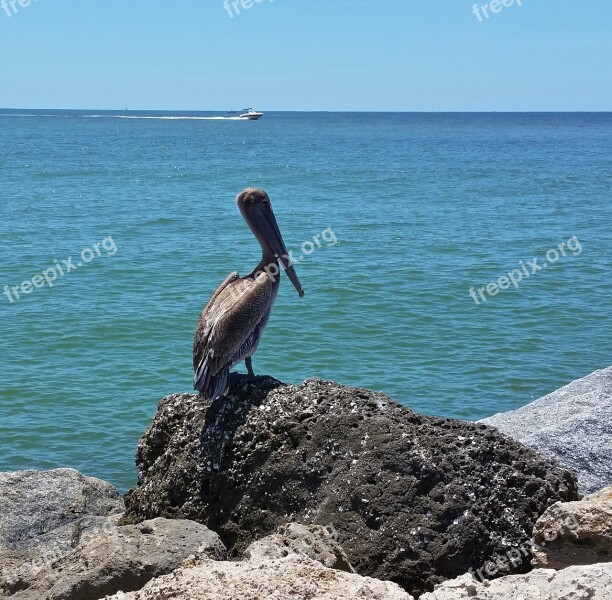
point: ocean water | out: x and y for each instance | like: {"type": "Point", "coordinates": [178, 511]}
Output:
{"type": "Point", "coordinates": [394, 216]}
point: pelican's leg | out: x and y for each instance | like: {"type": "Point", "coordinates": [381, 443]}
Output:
{"type": "Point", "coordinates": [249, 366]}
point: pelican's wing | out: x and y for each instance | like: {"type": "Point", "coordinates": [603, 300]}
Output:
{"type": "Point", "coordinates": [207, 320]}
{"type": "Point", "coordinates": [226, 323]}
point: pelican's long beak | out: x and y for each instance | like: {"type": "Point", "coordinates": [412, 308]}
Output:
{"type": "Point", "coordinates": [274, 239]}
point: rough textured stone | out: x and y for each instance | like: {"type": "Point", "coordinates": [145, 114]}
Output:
{"type": "Point", "coordinates": [37, 502]}
{"type": "Point", "coordinates": [295, 577]}
{"type": "Point", "coordinates": [105, 558]}
{"type": "Point", "coordinates": [314, 541]}
{"type": "Point", "coordinates": [573, 425]}
{"type": "Point", "coordinates": [414, 499]}
{"type": "Point", "coordinates": [575, 533]}
{"type": "Point", "coordinates": [592, 582]}
{"type": "Point", "coordinates": [59, 539]}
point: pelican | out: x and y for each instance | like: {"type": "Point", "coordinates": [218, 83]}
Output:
{"type": "Point", "coordinates": [232, 323]}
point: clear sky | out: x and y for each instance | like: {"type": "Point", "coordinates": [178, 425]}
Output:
{"type": "Point", "coordinates": [408, 55]}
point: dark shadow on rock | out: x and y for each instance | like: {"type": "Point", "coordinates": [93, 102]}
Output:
{"type": "Point", "coordinates": [214, 425]}
{"type": "Point", "coordinates": [227, 414]}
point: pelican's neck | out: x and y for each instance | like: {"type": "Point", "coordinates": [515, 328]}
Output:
{"type": "Point", "coordinates": [269, 261]}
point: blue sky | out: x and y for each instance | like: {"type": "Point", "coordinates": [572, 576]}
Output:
{"type": "Point", "coordinates": [405, 55]}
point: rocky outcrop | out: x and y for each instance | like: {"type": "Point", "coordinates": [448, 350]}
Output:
{"type": "Point", "coordinates": [575, 533]}
{"type": "Point", "coordinates": [313, 541]}
{"type": "Point", "coordinates": [592, 582]}
{"type": "Point", "coordinates": [298, 562]}
{"type": "Point", "coordinates": [296, 577]}
{"type": "Point", "coordinates": [414, 499]}
{"type": "Point", "coordinates": [572, 425]}
{"type": "Point", "coordinates": [52, 548]}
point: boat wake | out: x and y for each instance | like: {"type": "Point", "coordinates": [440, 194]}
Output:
{"type": "Point", "coordinates": [168, 118]}
{"type": "Point", "coordinates": [174, 118]}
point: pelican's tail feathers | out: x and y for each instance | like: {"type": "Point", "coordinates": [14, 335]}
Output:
{"type": "Point", "coordinates": [201, 379]}
{"type": "Point", "coordinates": [211, 386]}
{"type": "Point", "coordinates": [218, 385]}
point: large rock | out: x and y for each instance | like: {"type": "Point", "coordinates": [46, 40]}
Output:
{"type": "Point", "coordinates": [572, 425]}
{"type": "Point", "coordinates": [414, 499]}
{"type": "Point", "coordinates": [592, 582]}
{"type": "Point", "coordinates": [575, 533]}
{"type": "Point", "coordinates": [107, 558]}
{"type": "Point", "coordinates": [35, 503]}
{"type": "Point", "coordinates": [294, 577]}
{"type": "Point", "coordinates": [59, 539]}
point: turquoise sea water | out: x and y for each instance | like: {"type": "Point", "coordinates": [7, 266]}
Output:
{"type": "Point", "coordinates": [423, 207]}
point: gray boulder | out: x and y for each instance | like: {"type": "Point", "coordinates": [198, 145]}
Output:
{"type": "Point", "coordinates": [414, 499]}
{"type": "Point", "coordinates": [106, 559]}
{"type": "Point", "coordinates": [35, 503]}
{"type": "Point", "coordinates": [60, 539]}
{"type": "Point", "coordinates": [572, 425]}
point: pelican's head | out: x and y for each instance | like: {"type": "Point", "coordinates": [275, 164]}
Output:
{"type": "Point", "coordinates": [256, 209]}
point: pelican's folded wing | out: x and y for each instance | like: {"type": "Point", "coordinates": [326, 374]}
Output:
{"type": "Point", "coordinates": [227, 322]}
{"type": "Point", "coordinates": [206, 320]}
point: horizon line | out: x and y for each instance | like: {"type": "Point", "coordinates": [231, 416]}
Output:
{"type": "Point", "coordinates": [184, 110]}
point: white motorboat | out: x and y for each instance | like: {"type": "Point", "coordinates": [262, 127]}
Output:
{"type": "Point", "coordinates": [251, 115]}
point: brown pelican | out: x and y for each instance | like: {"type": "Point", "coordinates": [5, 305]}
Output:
{"type": "Point", "coordinates": [232, 323]}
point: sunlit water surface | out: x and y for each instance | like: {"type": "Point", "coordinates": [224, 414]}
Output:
{"type": "Point", "coordinates": [411, 210]}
